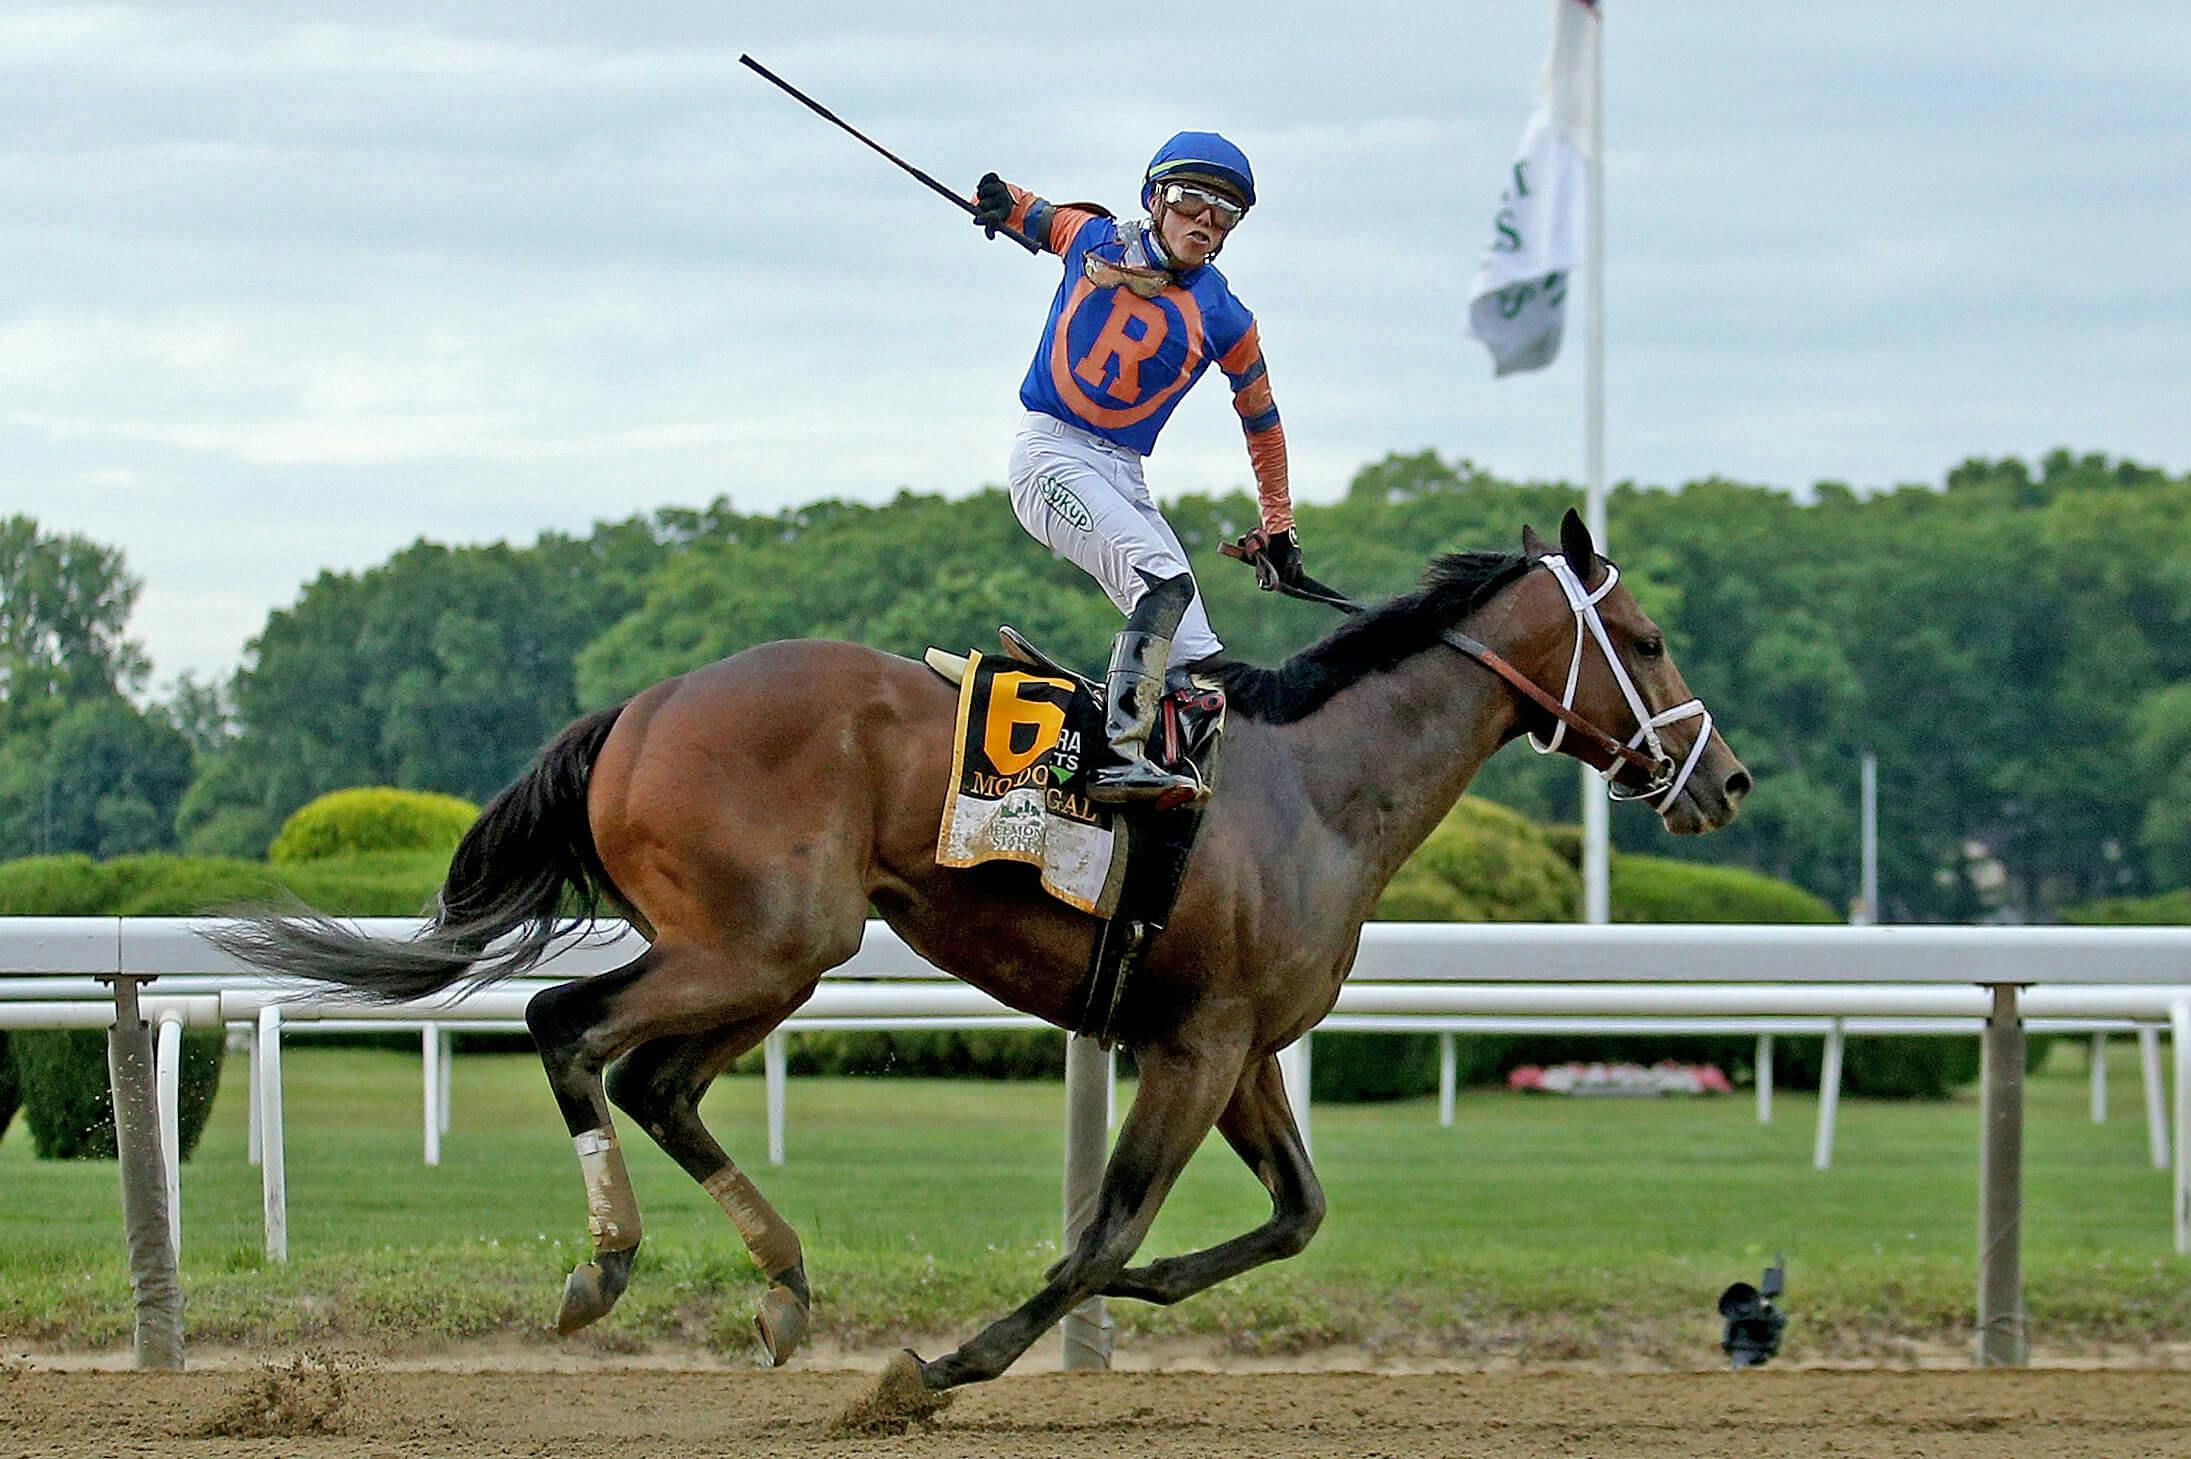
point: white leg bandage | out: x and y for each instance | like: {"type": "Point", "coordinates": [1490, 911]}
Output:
{"type": "Point", "coordinates": [775, 1246]}
{"type": "Point", "coordinates": [612, 1211]}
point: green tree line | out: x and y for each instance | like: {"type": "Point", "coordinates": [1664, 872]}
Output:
{"type": "Point", "coordinates": [2014, 645]}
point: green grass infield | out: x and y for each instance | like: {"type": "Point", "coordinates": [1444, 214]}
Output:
{"type": "Point", "coordinates": [1538, 1229]}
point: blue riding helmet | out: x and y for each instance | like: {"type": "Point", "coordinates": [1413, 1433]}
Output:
{"type": "Point", "coordinates": [1203, 156]}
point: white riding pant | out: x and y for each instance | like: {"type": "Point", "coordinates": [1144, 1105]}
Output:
{"type": "Point", "coordinates": [1085, 499]}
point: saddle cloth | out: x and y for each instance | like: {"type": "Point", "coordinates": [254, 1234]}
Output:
{"type": "Point", "coordinates": [1030, 735]}
{"type": "Point", "coordinates": [1019, 779]}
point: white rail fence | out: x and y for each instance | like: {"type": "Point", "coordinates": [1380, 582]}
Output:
{"type": "Point", "coordinates": [436, 1027]}
{"type": "Point", "coordinates": [1445, 978]}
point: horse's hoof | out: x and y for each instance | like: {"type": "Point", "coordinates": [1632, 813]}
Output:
{"type": "Point", "coordinates": [899, 1399]}
{"type": "Point", "coordinates": [780, 1324]}
{"type": "Point", "coordinates": [592, 1289]}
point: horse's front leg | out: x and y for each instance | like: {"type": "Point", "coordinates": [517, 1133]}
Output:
{"type": "Point", "coordinates": [1258, 1124]}
{"type": "Point", "coordinates": [1180, 1096]}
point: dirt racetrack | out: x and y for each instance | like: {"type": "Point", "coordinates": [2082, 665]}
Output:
{"type": "Point", "coordinates": [308, 1408]}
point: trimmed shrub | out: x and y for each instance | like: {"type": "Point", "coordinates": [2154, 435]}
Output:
{"type": "Point", "coordinates": [10, 1090]}
{"type": "Point", "coordinates": [924, 1054]}
{"type": "Point", "coordinates": [374, 818]}
{"type": "Point", "coordinates": [2168, 909]}
{"type": "Point", "coordinates": [1484, 863]}
{"type": "Point", "coordinates": [1655, 889]}
{"type": "Point", "coordinates": [1882, 1068]}
{"type": "Point", "coordinates": [242, 831]}
{"type": "Point", "coordinates": [1364, 1068]}
{"type": "Point", "coordinates": [387, 883]}
{"type": "Point", "coordinates": [1893, 1068]}
{"type": "Point", "coordinates": [67, 1104]}
{"type": "Point", "coordinates": [376, 884]}
{"type": "Point", "coordinates": [1658, 889]}
{"type": "Point", "coordinates": [1431, 887]}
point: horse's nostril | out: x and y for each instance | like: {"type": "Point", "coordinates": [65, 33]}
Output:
{"type": "Point", "coordinates": [1738, 785]}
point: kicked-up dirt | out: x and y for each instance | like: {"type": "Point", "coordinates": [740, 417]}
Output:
{"type": "Point", "coordinates": [308, 1407]}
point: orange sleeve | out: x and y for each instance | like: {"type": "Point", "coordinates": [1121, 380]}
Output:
{"type": "Point", "coordinates": [1258, 411]}
{"type": "Point", "coordinates": [1058, 225]}
{"type": "Point", "coordinates": [1267, 455]}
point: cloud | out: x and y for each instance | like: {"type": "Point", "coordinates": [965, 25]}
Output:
{"type": "Point", "coordinates": [305, 285]}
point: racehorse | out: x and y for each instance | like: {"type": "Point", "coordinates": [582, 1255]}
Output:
{"type": "Point", "coordinates": [746, 815]}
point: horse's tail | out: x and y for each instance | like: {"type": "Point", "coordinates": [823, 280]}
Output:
{"type": "Point", "coordinates": [524, 875]}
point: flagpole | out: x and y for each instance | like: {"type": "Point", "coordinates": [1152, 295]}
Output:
{"type": "Point", "coordinates": [1596, 861]}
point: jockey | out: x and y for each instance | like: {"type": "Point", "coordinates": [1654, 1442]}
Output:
{"type": "Point", "coordinates": [1141, 313]}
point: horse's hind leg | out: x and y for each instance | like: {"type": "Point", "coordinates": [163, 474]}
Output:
{"type": "Point", "coordinates": [565, 1021]}
{"type": "Point", "coordinates": [1258, 1124]}
{"type": "Point", "coordinates": [580, 1028]}
{"type": "Point", "coordinates": [659, 1084]}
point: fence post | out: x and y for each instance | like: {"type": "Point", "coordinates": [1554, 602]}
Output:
{"type": "Point", "coordinates": [1448, 1076]}
{"type": "Point", "coordinates": [273, 1180]}
{"type": "Point", "coordinates": [1763, 1068]}
{"type": "Point", "coordinates": [168, 1074]}
{"type": "Point", "coordinates": [2179, 1042]}
{"type": "Point", "coordinates": [153, 1280]}
{"type": "Point", "coordinates": [2099, 1079]}
{"type": "Point", "coordinates": [429, 1051]}
{"type": "Point", "coordinates": [251, 1093]}
{"type": "Point", "coordinates": [1829, 1097]}
{"type": "Point", "coordinates": [2156, 1099]}
{"type": "Point", "coordinates": [2001, 1329]}
{"type": "Point", "coordinates": [775, 1065]}
{"type": "Point", "coordinates": [448, 1076]}
{"type": "Point", "coordinates": [1295, 1071]}
{"type": "Point", "coordinates": [1085, 1333]}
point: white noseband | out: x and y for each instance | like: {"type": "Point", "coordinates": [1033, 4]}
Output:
{"type": "Point", "coordinates": [1668, 783]}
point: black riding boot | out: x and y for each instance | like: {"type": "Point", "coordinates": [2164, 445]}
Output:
{"type": "Point", "coordinates": [1132, 689]}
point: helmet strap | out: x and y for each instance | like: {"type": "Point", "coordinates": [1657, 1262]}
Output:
{"type": "Point", "coordinates": [1154, 230]}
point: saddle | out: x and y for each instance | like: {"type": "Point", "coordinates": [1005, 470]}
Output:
{"type": "Point", "coordinates": [1190, 718]}
{"type": "Point", "coordinates": [1188, 735]}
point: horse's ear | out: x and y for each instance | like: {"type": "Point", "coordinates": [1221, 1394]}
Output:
{"type": "Point", "coordinates": [1581, 553]}
{"type": "Point", "coordinates": [1533, 546]}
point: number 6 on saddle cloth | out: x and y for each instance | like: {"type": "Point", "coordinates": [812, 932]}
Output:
{"type": "Point", "coordinates": [1030, 738]}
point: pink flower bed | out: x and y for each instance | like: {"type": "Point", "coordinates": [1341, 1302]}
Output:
{"type": "Point", "coordinates": [1630, 1079]}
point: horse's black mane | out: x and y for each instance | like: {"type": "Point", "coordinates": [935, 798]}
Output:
{"type": "Point", "coordinates": [1373, 641]}
{"type": "Point", "coordinates": [1370, 642]}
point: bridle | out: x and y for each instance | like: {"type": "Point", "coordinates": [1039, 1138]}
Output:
{"type": "Point", "coordinates": [1642, 751]}
{"type": "Point", "coordinates": [1665, 782]}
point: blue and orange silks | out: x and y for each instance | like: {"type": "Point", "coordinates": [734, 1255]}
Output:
{"type": "Point", "coordinates": [1116, 364]}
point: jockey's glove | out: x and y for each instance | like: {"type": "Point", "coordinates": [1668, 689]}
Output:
{"type": "Point", "coordinates": [992, 203]}
{"type": "Point", "coordinates": [1283, 552]}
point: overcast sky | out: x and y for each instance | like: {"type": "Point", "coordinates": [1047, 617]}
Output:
{"type": "Point", "coordinates": [283, 288]}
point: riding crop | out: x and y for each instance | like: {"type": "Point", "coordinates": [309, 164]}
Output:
{"type": "Point", "coordinates": [829, 116]}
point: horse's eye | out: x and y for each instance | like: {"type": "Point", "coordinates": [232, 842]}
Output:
{"type": "Point", "coordinates": [1652, 648]}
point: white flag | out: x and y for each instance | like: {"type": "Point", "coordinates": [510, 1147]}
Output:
{"type": "Point", "coordinates": [1519, 301]}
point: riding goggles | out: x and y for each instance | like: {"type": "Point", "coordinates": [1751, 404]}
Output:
{"type": "Point", "coordinates": [1196, 201]}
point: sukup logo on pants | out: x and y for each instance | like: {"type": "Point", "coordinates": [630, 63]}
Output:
{"type": "Point", "coordinates": [1060, 499]}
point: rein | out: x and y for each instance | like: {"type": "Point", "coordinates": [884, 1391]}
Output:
{"type": "Point", "coordinates": [1665, 780]}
